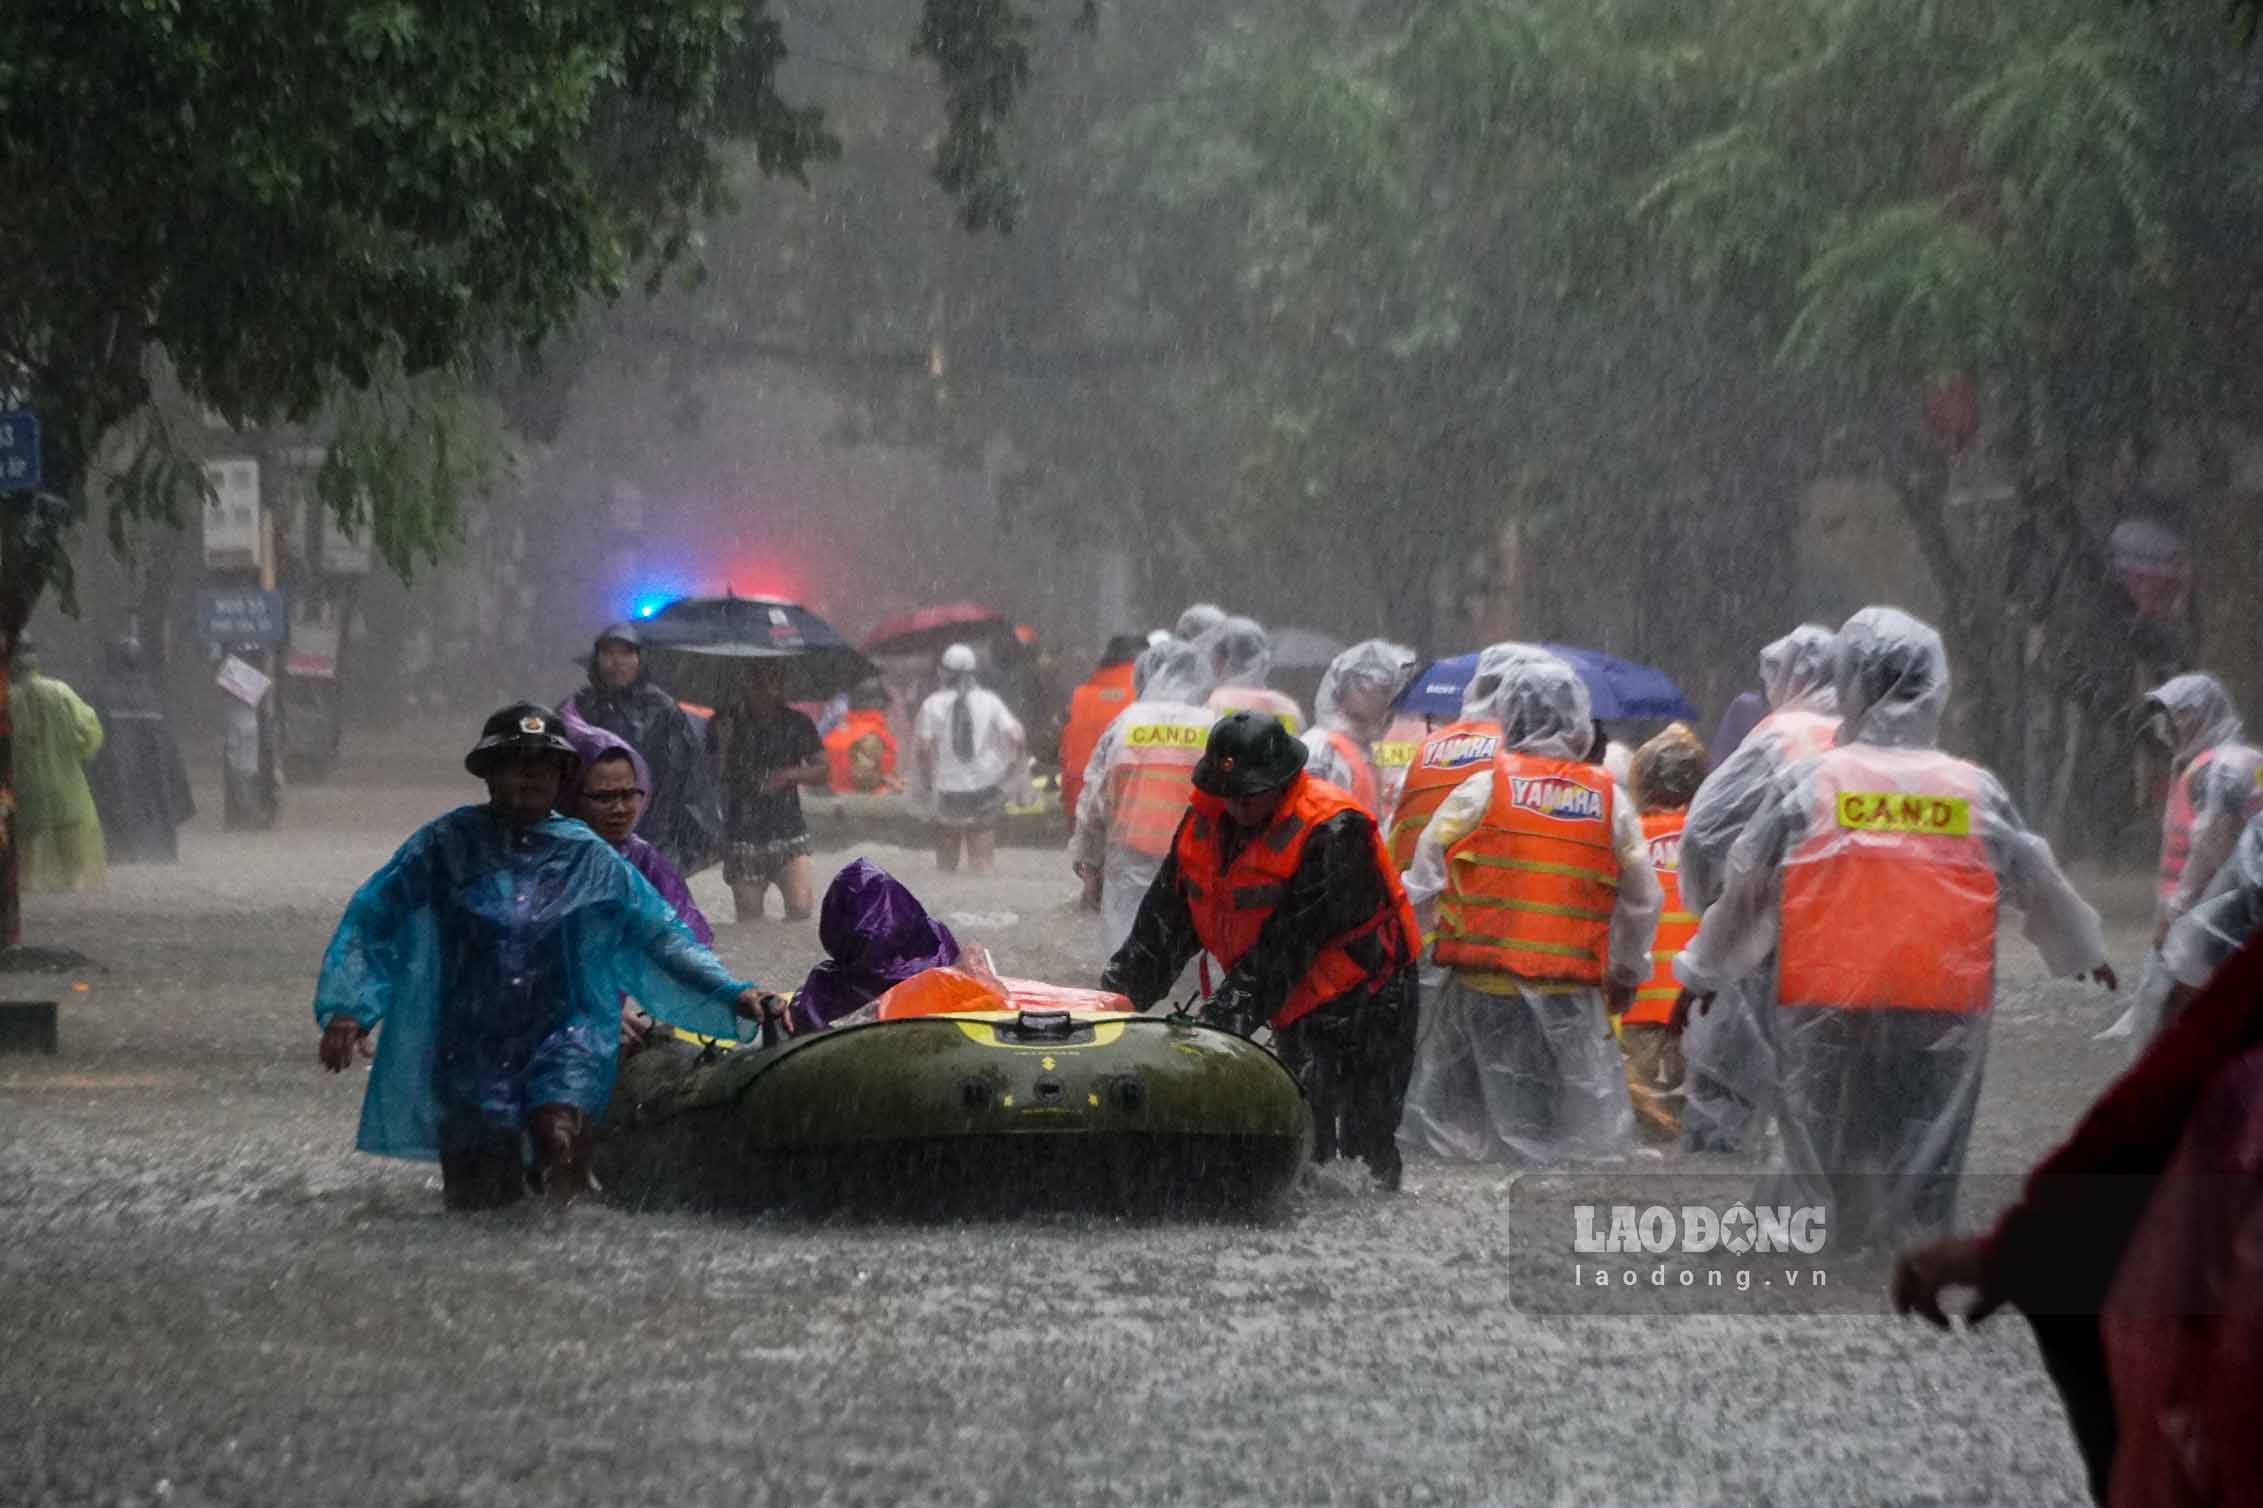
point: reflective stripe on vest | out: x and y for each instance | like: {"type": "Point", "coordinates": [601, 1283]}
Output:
{"type": "Point", "coordinates": [1230, 903]}
{"type": "Point", "coordinates": [1447, 758]}
{"type": "Point", "coordinates": [1530, 889]}
{"type": "Point", "coordinates": [1394, 753]}
{"type": "Point", "coordinates": [1654, 1002]}
{"type": "Point", "coordinates": [1889, 901]}
{"type": "Point", "coordinates": [1152, 779]}
{"type": "Point", "coordinates": [1361, 784]}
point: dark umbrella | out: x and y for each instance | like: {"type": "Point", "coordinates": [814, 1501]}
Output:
{"type": "Point", "coordinates": [700, 648]}
{"type": "Point", "coordinates": [931, 630]}
{"type": "Point", "coordinates": [1616, 688]}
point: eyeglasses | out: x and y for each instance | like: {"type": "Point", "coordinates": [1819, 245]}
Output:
{"type": "Point", "coordinates": [613, 798]}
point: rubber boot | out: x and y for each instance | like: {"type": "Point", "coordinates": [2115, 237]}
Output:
{"type": "Point", "coordinates": [481, 1170]}
{"type": "Point", "coordinates": [563, 1140]}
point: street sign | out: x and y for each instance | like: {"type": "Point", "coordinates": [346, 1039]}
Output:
{"type": "Point", "coordinates": [231, 518]}
{"type": "Point", "coordinates": [19, 450]}
{"type": "Point", "coordinates": [241, 615]}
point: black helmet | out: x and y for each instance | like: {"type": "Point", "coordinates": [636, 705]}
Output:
{"type": "Point", "coordinates": [521, 728]}
{"type": "Point", "coordinates": [1249, 753]}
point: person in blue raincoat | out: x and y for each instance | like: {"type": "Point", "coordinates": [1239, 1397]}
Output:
{"type": "Point", "coordinates": [493, 949]}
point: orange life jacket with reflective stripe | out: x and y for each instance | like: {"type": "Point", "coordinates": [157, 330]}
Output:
{"type": "Point", "coordinates": [1654, 1002]}
{"type": "Point", "coordinates": [843, 769]}
{"type": "Point", "coordinates": [1152, 778]}
{"type": "Point", "coordinates": [1530, 889]}
{"type": "Point", "coordinates": [1362, 788]}
{"type": "Point", "coordinates": [1446, 759]}
{"type": "Point", "coordinates": [2181, 814]}
{"type": "Point", "coordinates": [1092, 707]}
{"type": "Point", "coordinates": [1804, 734]}
{"type": "Point", "coordinates": [1889, 901]}
{"type": "Point", "coordinates": [1230, 903]}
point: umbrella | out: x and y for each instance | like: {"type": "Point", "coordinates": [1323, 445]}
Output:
{"type": "Point", "coordinates": [701, 648]}
{"type": "Point", "coordinates": [1616, 688]}
{"type": "Point", "coordinates": [1304, 649]}
{"type": "Point", "coordinates": [931, 630]}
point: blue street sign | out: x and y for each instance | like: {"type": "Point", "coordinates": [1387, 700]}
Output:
{"type": "Point", "coordinates": [19, 450]}
{"type": "Point", "coordinates": [241, 615]}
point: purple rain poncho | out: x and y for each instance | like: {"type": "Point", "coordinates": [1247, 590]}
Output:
{"type": "Point", "coordinates": [876, 935]}
{"type": "Point", "coordinates": [654, 866]}
{"type": "Point", "coordinates": [593, 744]}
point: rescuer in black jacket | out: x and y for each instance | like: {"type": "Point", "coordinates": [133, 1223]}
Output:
{"type": "Point", "coordinates": [1286, 882]}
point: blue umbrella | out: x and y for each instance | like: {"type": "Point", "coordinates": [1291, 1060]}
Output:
{"type": "Point", "coordinates": [1616, 688]}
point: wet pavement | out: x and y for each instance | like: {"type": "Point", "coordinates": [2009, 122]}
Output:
{"type": "Point", "coordinates": [207, 1298]}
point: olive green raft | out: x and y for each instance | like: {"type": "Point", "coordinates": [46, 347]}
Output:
{"type": "Point", "coordinates": [961, 1112]}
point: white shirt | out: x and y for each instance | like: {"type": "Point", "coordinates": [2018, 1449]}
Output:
{"type": "Point", "coordinates": [998, 742]}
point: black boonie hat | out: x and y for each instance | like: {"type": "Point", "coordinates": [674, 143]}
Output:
{"type": "Point", "coordinates": [1249, 753]}
{"type": "Point", "coordinates": [521, 728]}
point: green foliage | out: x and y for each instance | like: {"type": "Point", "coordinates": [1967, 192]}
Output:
{"type": "Point", "coordinates": [981, 48]}
{"type": "Point", "coordinates": [339, 206]}
{"type": "Point", "coordinates": [1907, 290]}
{"type": "Point", "coordinates": [2073, 128]}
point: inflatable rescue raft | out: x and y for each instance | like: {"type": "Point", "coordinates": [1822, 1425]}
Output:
{"type": "Point", "coordinates": [955, 1091]}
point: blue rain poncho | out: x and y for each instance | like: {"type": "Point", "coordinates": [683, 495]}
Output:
{"type": "Point", "coordinates": [496, 960]}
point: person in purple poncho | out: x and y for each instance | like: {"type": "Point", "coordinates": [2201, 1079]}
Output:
{"type": "Point", "coordinates": [876, 934]}
{"type": "Point", "coordinates": [610, 797]}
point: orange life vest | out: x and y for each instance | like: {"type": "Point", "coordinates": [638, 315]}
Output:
{"type": "Point", "coordinates": [1152, 777]}
{"type": "Point", "coordinates": [1889, 901]}
{"type": "Point", "coordinates": [1530, 889]}
{"type": "Point", "coordinates": [841, 761]}
{"type": "Point", "coordinates": [1446, 759]}
{"type": "Point", "coordinates": [1092, 707]}
{"type": "Point", "coordinates": [1362, 786]}
{"type": "Point", "coordinates": [1654, 1002]}
{"type": "Point", "coordinates": [1804, 734]}
{"type": "Point", "coordinates": [2178, 818]}
{"type": "Point", "coordinates": [1230, 903]}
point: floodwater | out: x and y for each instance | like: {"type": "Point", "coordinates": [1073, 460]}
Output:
{"type": "Point", "coordinates": [207, 1298]}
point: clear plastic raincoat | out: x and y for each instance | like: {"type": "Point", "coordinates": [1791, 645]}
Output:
{"type": "Point", "coordinates": [1197, 620]}
{"type": "Point", "coordinates": [494, 960]}
{"type": "Point", "coordinates": [1370, 675]}
{"type": "Point", "coordinates": [2204, 938]}
{"type": "Point", "coordinates": [1875, 878]}
{"type": "Point", "coordinates": [1167, 722]}
{"type": "Point", "coordinates": [1731, 1063]}
{"type": "Point", "coordinates": [2213, 792]}
{"type": "Point", "coordinates": [1521, 1070]}
{"type": "Point", "coordinates": [1241, 663]}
